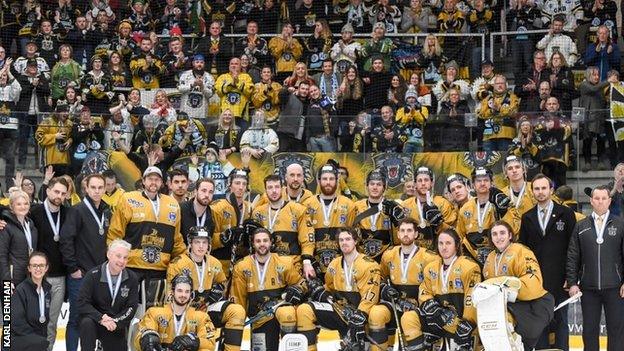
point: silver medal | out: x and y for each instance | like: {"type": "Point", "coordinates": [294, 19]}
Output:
{"type": "Point", "coordinates": [404, 280]}
{"type": "Point", "coordinates": [101, 231]}
{"type": "Point", "coordinates": [42, 319]}
{"type": "Point", "coordinates": [57, 238]}
{"type": "Point", "coordinates": [200, 289]}
{"type": "Point", "coordinates": [600, 241]}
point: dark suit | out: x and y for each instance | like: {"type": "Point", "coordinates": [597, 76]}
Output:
{"type": "Point", "coordinates": [551, 251]}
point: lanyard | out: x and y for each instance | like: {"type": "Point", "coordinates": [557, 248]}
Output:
{"type": "Point", "coordinates": [261, 272]}
{"type": "Point", "coordinates": [242, 217]}
{"type": "Point", "coordinates": [100, 222]}
{"type": "Point", "coordinates": [273, 218]}
{"type": "Point", "coordinates": [445, 274]}
{"type": "Point", "coordinates": [348, 272]}
{"type": "Point", "coordinates": [201, 220]}
{"type": "Point", "coordinates": [543, 221]}
{"type": "Point", "coordinates": [201, 273]}
{"type": "Point", "coordinates": [600, 231]}
{"type": "Point", "coordinates": [155, 207]}
{"type": "Point", "coordinates": [109, 280]}
{"type": "Point", "coordinates": [56, 226]}
{"type": "Point", "coordinates": [405, 263]}
{"type": "Point", "coordinates": [481, 216]}
{"type": "Point", "coordinates": [373, 218]}
{"type": "Point", "coordinates": [41, 295]}
{"type": "Point", "coordinates": [520, 195]}
{"type": "Point", "coordinates": [178, 325]}
{"type": "Point", "coordinates": [28, 235]}
{"type": "Point", "coordinates": [498, 260]}
{"type": "Point", "coordinates": [327, 211]}
{"type": "Point", "coordinates": [422, 222]}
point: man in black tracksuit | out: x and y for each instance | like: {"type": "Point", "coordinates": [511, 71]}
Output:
{"type": "Point", "coordinates": [196, 212]}
{"type": "Point", "coordinates": [83, 245]}
{"type": "Point", "coordinates": [108, 299]}
{"type": "Point", "coordinates": [595, 265]}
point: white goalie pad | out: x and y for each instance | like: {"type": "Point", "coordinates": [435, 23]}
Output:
{"type": "Point", "coordinates": [495, 332]}
{"type": "Point", "coordinates": [293, 342]}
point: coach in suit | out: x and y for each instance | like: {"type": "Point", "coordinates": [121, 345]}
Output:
{"type": "Point", "coordinates": [546, 230]}
{"type": "Point", "coordinates": [595, 265]}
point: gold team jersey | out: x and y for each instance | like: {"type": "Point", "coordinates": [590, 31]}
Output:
{"type": "Point", "coordinates": [326, 219]}
{"type": "Point", "coordinates": [498, 112]}
{"type": "Point", "coordinates": [377, 231]}
{"type": "Point", "coordinates": [212, 273]}
{"type": "Point", "coordinates": [292, 231]}
{"type": "Point", "coordinates": [250, 292]}
{"type": "Point", "coordinates": [155, 238]}
{"type": "Point", "coordinates": [520, 262]}
{"type": "Point", "coordinates": [112, 199]}
{"type": "Point", "coordinates": [524, 201]}
{"type": "Point", "coordinates": [452, 286]}
{"type": "Point", "coordinates": [305, 194]}
{"type": "Point", "coordinates": [408, 280]}
{"type": "Point", "coordinates": [360, 286]}
{"type": "Point", "coordinates": [161, 320]}
{"type": "Point", "coordinates": [414, 210]}
{"type": "Point", "coordinates": [224, 216]}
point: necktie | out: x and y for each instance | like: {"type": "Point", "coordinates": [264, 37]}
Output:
{"type": "Point", "coordinates": [544, 216]}
{"type": "Point", "coordinates": [599, 220]}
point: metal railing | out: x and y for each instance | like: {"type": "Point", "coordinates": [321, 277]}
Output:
{"type": "Point", "coordinates": [514, 33]}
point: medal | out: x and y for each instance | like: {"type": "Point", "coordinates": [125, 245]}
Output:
{"type": "Point", "coordinates": [99, 221]}
{"type": "Point", "coordinates": [101, 231]}
{"type": "Point", "coordinates": [404, 280]}
{"type": "Point", "coordinates": [422, 223]}
{"type": "Point", "coordinates": [543, 222]}
{"type": "Point", "coordinates": [600, 230]}
{"type": "Point", "coordinates": [518, 200]}
{"type": "Point", "coordinates": [201, 273]}
{"type": "Point", "coordinates": [273, 218]}
{"type": "Point", "coordinates": [41, 295]}
{"type": "Point", "coordinates": [327, 211]}
{"type": "Point", "coordinates": [481, 215]}
{"type": "Point", "coordinates": [599, 241]}
{"type": "Point", "coordinates": [262, 272]}
{"type": "Point", "coordinates": [56, 226]}
{"type": "Point", "coordinates": [405, 263]}
{"type": "Point", "coordinates": [373, 218]}
{"type": "Point", "coordinates": [113, 290]}
{"type": "Point", "coordinates": [445, 274]}
{"type": "Point", "coordinates": [42, 319]}
{"type": "Point", "coordinates": [28, 234]}
{"type": "Point", "coordinates": [177, 326]}
{"type": "Point", "coordinates": [348, 273]}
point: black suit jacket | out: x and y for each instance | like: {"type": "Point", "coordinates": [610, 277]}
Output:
{"type": "Point", "coordinates": [550, 249]}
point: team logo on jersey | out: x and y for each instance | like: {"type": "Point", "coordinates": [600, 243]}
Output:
{"type": "Point", "coordinates": [433, 274]}
{"type": "Point", "coordinates": [612, 231]}
{"type": "Point", "coordinates": [481, 159]}
{"type": "Point", "coordinates": [247, 273]}
{"type": "Point", "coordinates": [343, 219]}
{"type": "Point", "coordinates": [124, 291]}
{"type": "Point", "coordinates": [172, 216]}
{"type": "Point", "coordinates": [397, 167]}
{"type": "Point", "coordinates": [372, 247]}
{"type": "Point", "coordinates": [459, 284]}
{"type": "Point", "coordinates": [560, 225]}
{"type": "Point", "coordinates": [281, 161]}
{"type": "Point", "coordinates": [162, 322]}
{"type": "Point", "coordinates": [194, 100]}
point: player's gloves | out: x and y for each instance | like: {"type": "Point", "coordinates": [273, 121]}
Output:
{"type": "Point", "coordinates": [215, 294]}
{"type": "Point", "coordinates": [150, 341]}
{"type": "Point", "coordinates": [389, 293]}
{"type": "Point", "coordinates": [393, 210]}
{"type": "Point", "coordinates": [432, 214]}
{"type": "Point", "coordinates": [187, 342]}
{"type": "Point", "coordinates": [500, 200]}
{"type": "Point", "coordinates": [317, 291]}
{"type": "Point", "coordinates": [294, 294]}
{"type": "Point", "coordinates": [231, 235]}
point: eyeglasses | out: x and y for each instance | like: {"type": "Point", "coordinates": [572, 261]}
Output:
{"type": "Point", "coordinates": [38, 266]}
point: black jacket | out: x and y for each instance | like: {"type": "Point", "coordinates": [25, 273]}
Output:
{"type": "Point", "coordinates": [221, 58]}
{"type": "Point", "coordinates": [189, 219]}
{"type": "Point", "coordinates": [14, 250]}
{"type": "Point", "coordinates": [82, 245]}
{"type": "Point", "coordinates": [596, 266]}
{"type": "Point", "coordinates": [42, 91]}
{"type": "Point", "coordinates": [45, 242]}
{"type": "Point", "coordinates": [551, 249]}
{"type": "Point", "coordinates": [25, 309]}
{"type": "Point", "coordinates": [95, 299]}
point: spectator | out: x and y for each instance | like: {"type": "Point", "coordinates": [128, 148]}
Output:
{"type": "Point", "coordinates": [561, 81]}
{"type": "Point", "coordinates": [537, 104]}
{"type": "Point", "coordinates": [299, 75]}
{"type": "Point", "coordinates": [259, 140]}
{"type": "Point", "coordinates": [266, 97]}
{"type": "Point", "coordinates": [431, 60]}
{"type": "Point", "coordinates": [318, 45]}
{"type": "Point", "coordinates": [190, 129]}
{"type": "Point", "coordinates": [412, 117]}
{"type": "Point", "coordinates": [145, 66]}
{"type": "Point", "coordinates": [523, 15]}
{"type": "Point", "coordinates": [599, 278]}
{"type": "Point", "coordinates": [355, 136]}
{"type": "Point", "coordinates": [123, 43]}
{"type": "Point", "coordinates": [118, 72]}
{"type": "Point", "coordinates": [235, 88]}
{"type": "Point", "coordinates": [526, 146]}
{"type": "Point", "coordinates": [595, 126]}
{"type": "Point", "coordinates": [10, 90]}
{"type": "Point", "coordinates": [415, 18]}
{"type": "Point", "coordinates": [386, 13]}
{"type": "Point", "coordinates": [48, 42]}
{"type": "Point", "coordinates": [529, 83]}
{"type": "Point", "coordinates": [29, 21]}
{"type": "Point", "coordinates": [216, 49]}
{"type": "Point", "coordinates": [17, 240]}
{"type": "Point", "coordinates": [389, 136]}
{"type": "Point", "coordinates": [569, 13]}
{"type": "Point", "coordinates": [617, 191]}
{"type": "Point", "coordinates": [87, 136]}
{"type": "Point", "coordinates": [146, 133]}
{"type": "Point", "coordinates": [3, 57]}
{"type": "Point", "coordinates": [216, 167]}
{"type": "Point", "coordinates": [30, 306]}
{"type": "Point", "coordinates": [378, 46]}
{"type": "Point", "coordinates": [321, 126]}
{"type": "Point", "coordinates": [269, 16]}
{"type": "Point", "coordinates": [291, 124]}
{"type": "Point", "coordinates": [396, 92]}
{"type": "Point", "coordinates": [554, 133]}
{"type": "Point", "coordinates": [140, 18]}
{"type": "Point", "coordinates": [247, 67]}
{"type": "Point", "coordinates": [604, 53]}
{"type": "Point", "coordinates": [602, 13]}
{"type": "Point", "coordinates": [153, 155]}
{"type": "Point", "coordinates": [452, 20]}
{"type": "Point", "coordinates": [376, 84]}
{"type": "Point", "coordinates": [425, 97]}
{"type": "Point", "coordinates": [73, 99]}
{"type": "Point", "coordinates": [65, 15]}
{"type": "Point", "coordinates": [350, 100]}
{"type": "Point", "coordinates": [175, 62]}
{"type": "Point", "coordinates": [134, 108]}
{"type": "Point", "coordinates": [28, 186]}
{"type": "Point", "coordinates": [498, 112]}
{"type": "Point", "coordinates": [119, 130]}
{"type": "Point", "coordinates": [54, 138]}
{"type": "Point", "coordinates": [97, 90]}
{"type": "Point", "coordinates": [355, 14]}
{"type": "Point", "coordinates": [306, 15]}
{"type": "Point", "coordinates": [344, 52]}
{"type": "Point", "coordinates": [197, 85]}
{"type": "Point", "coordinates": [556, 39]}
{"type": "Point", "coordinates": [163, 110]}
{"type": "Point", "coordinates": [253, 45]}
{"type": "Point", "coordinates": [451, 80]}
{"type": "Point", "coordinates": [82, 41]}
{"type": "Point", "coordinates": [65, 72]}
{"type": "Point", "coordinates": [454, 108]}
{"type": "Point", "coordinates": [173, 19]}
{"type": "Point", "coordinates": [286, 51]}
{"type": "Point", "coordinates": [226, 133]}
{"type": "Point", "coordinates": [483, 85]}
{"type": "Point", "coordinates": [481, 20]}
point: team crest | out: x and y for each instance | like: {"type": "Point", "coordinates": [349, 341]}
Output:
{"type": "Point", "coordinates": [162, 322]}
{"type": "Point", "coordinates": [172, 216]}
{"type": "Point", "coordinates": [372, 247]}
{"type": "Point", "coordinates": [326, 256]}
{"type": "Point", "coordinates": [95, 162]}
{"type": "Point", "coordinates": [294, 224]}
{"type": "Point", "coordinates": [343, 219]}
{"type": "Point", "coordinates": [391, 266]}
{"type": "Point", "coordinates": [433, 274]}
{"type": "Point", "coordinates": [194, 100]}
{"type": "Point", "coordinates": [560, 225]}
{"type": "Point", "coordinates": [124, 291]}
{"type": "Point", "coordinates": [281, 161]}
{"type": "Point", "coordinates": [612, 231]}
{"type": "Point", "coordinates": [247, 273]}
{"type": "Point", "coordinates": [459, 284]}
{"type": "Point", "coordinates": [397, 167]}
{"type": "Point", "coordinates": [280, 269]}
{"type": "Point", "coordinates": [481, 159]}
{"type": "Point", "coordinates": [151, 254]}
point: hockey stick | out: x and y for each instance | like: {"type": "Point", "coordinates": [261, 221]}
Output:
{"type": "Point", "coordinates": [399, 327]}
{"type": "Point", "coordinates": [569, 300]}
{"type": "Point", "coordinates": [265, 313]}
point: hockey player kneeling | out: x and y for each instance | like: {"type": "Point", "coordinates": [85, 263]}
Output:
{"type": "Point", "coordinates": [176, 326]}
{"type": "Point", "coordinates": [513, 270]}
{"type": "Point", "coordinates": [445, 300]}
{"type": "Point", "coordinates": [351, 289]}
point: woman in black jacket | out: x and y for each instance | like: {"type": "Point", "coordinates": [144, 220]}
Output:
{"type": "Point", "coordinates": [30, 307]}
{"type": "Point", "coordinates": [561, 81]}
{"type": "Point", "coordinates": [17, 239]}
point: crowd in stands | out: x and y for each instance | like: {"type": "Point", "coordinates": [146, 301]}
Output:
{"type": "Point", "coordinates": [275, 76]}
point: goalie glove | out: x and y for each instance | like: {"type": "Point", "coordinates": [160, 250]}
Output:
{"type": "Point", "coordinates": [187, 342]}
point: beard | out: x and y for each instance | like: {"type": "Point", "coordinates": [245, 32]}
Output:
{"type": "Point", "coordinates": [180, 301]}
{"type": "Point", "coordinates": [203, 201]}
{"type": "Point", "coordinates": [329, 189]}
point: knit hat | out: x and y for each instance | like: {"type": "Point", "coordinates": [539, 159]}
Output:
{"type": "Point", "coordinates": [379, 25]}
{"type": "Point", "coordinates": [411, 92]}
{"type": "Point", "coordinates": [452, 64]}
{"type": "Point", "coordinates": [213, 147]}
{"type": "Point", "coordinates": [347, 28]}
